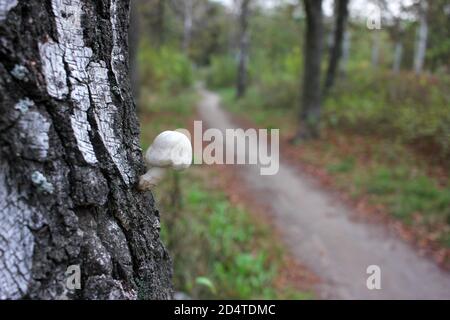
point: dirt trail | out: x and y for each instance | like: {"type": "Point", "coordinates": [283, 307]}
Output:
{"type": "Point", "coordinates": [320, 232]}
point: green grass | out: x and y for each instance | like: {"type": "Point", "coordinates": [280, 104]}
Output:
{"type": "Point", "coordinates": [219, 250]}
{"type": "Point", "coordinates": [251, 106]}
{"type": "Point", "coordinates": [164, 111]}
{"type": "Point", "coordinates": [344, 165]}
{"type": "Point", "coordinates": [407, 194]}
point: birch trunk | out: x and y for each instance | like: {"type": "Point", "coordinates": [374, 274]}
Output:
{"type": "Point", "coordinates": [422, 36]}
{"type": "Point", "coordinates": [187, 23]}
{"type": "Point", "coordinates": [376, 39]}
{"type": "Point", "coordinates": [70, 157]}
{"type": "Point", "coordinates": [398, 51]}
{"type": "Point", "coordinates": [346, 45]}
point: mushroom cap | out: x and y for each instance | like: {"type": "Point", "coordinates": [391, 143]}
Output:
{"type": "Point", "coordinates": [169, 149]}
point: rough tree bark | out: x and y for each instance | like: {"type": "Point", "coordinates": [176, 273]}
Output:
{"type": "Point", "coordinates": [311, 95]}
{"type": "Point", "coordinates": [70, 157]}
{"type": "Point", "coordinates": [241, 82]}
{"type": "Point", "coordinates": [338, 39]}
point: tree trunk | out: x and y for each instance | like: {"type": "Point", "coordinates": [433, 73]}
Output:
{"type": "Point", "coordinates": [345, 53]}
{"type": "Point", "coordinates": [243, 49]}
{"type": "Point", "coordinates": [398, 51]}
{"type": "Point", "coordinates": [159, 23]}
{"type": "Point", "coordinates": [376, 39]}
{"type": "Point", "coordinates": [153, 12]}
{"type": "Point", "coordinates": [70, 158]}
{"type": "Point", "coordinates": [422, 36]}
{"type": "Point", "coordinates": [187, 24]}
{"type": "Point", "coordinates": [336, 49]}
{"type": "Point", "coordinates": [311, 97]}
{"type": "Point", "coordinates": [397, 33]}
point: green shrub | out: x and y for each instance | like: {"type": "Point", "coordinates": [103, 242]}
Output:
{"type": "Point", "coordinates": [281, 94]}
{"type": "Point", "coordinates": [219, 251]}
{"type": "Point", "coordinates": [222, 72]}
{"type": "Point", "coordinates": [407, 194]}
{"type": "Point", "coordinates": [410, 108]}
{"type": "Point", "coordinates": [271, 84]}
{"type": "Point", "coordinates": [293, 63]}
{"type": "Point", "coordinates": [164, 68]}
{"type": "Point", "coordinates": [157, 112]}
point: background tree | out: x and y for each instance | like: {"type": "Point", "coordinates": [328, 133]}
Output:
{"type": "Point", "coordinates": [311, 91]}
{"type": "Point", "coordinates": [397, 34]}
{"type": "Point", "coordinates": [375, 54]}
{"type": "Point", "coordinates": [346, 45]}
{"type": "Point", "coordinates": [422, 36]}
{"type": "Point", "coordinates": [244, 39]}
{"type": "Point", "coordinates": [438, 53]}
{"type": "Point", "coordinates": [341, 14]}
{"type": "Point", "coordinates": [188, 11]}
{"type": "Point", "coordinates": [70, 157]}
{"type": "Point", "coordinates": [153, 14]}
{"type": "Point", "coordinates": [394, 24]}
{"type": "Point", "coordinates": [212, 32]}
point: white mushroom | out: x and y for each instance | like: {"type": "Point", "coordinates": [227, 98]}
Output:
{"type": "Point", "coordinates": [170, 149]}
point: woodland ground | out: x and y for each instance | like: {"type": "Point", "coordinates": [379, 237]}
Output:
{"type": "Point", "coordinates": [236, 250]}
{"type": "Point", "coordinates": [329, 236]}
{"type": "Point", "coordinates": [383, 155]}
{"type": "Point", "coordinates": [381, 177]}
{"type": "Point", "coordinates": [222, 242]}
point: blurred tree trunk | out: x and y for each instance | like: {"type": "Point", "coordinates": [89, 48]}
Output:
{"type": "Point", "coordinates": [70, 158]}
{"type": "Point", "coordinates": [133, 41]}
{"type": "Point", "coordinates": [341, 13]}
{"type": "Point", "coordinates": [422, 36]}
{"type": "Point", "coordinates": [398, 52]}
{"type": "Point", "coordinates": [243, 48]}
{"type": "Point", "coordinates": [396, 33]}
{"type": "Point", "coordinates": [159, 23]}
{"type": "Point", "coordinates": [345, 53]}
{"type": "Point", "coordinates": [188, 8]}
{"type": "Point", "coordinates": [154, 19]}
{"type": "Point", "coordinates": [376, 39]}
{"type": "Point", "coordinates": [311, 91]}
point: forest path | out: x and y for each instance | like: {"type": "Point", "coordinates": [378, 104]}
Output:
{"type": "Point", "coordinates": [320, 232]}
